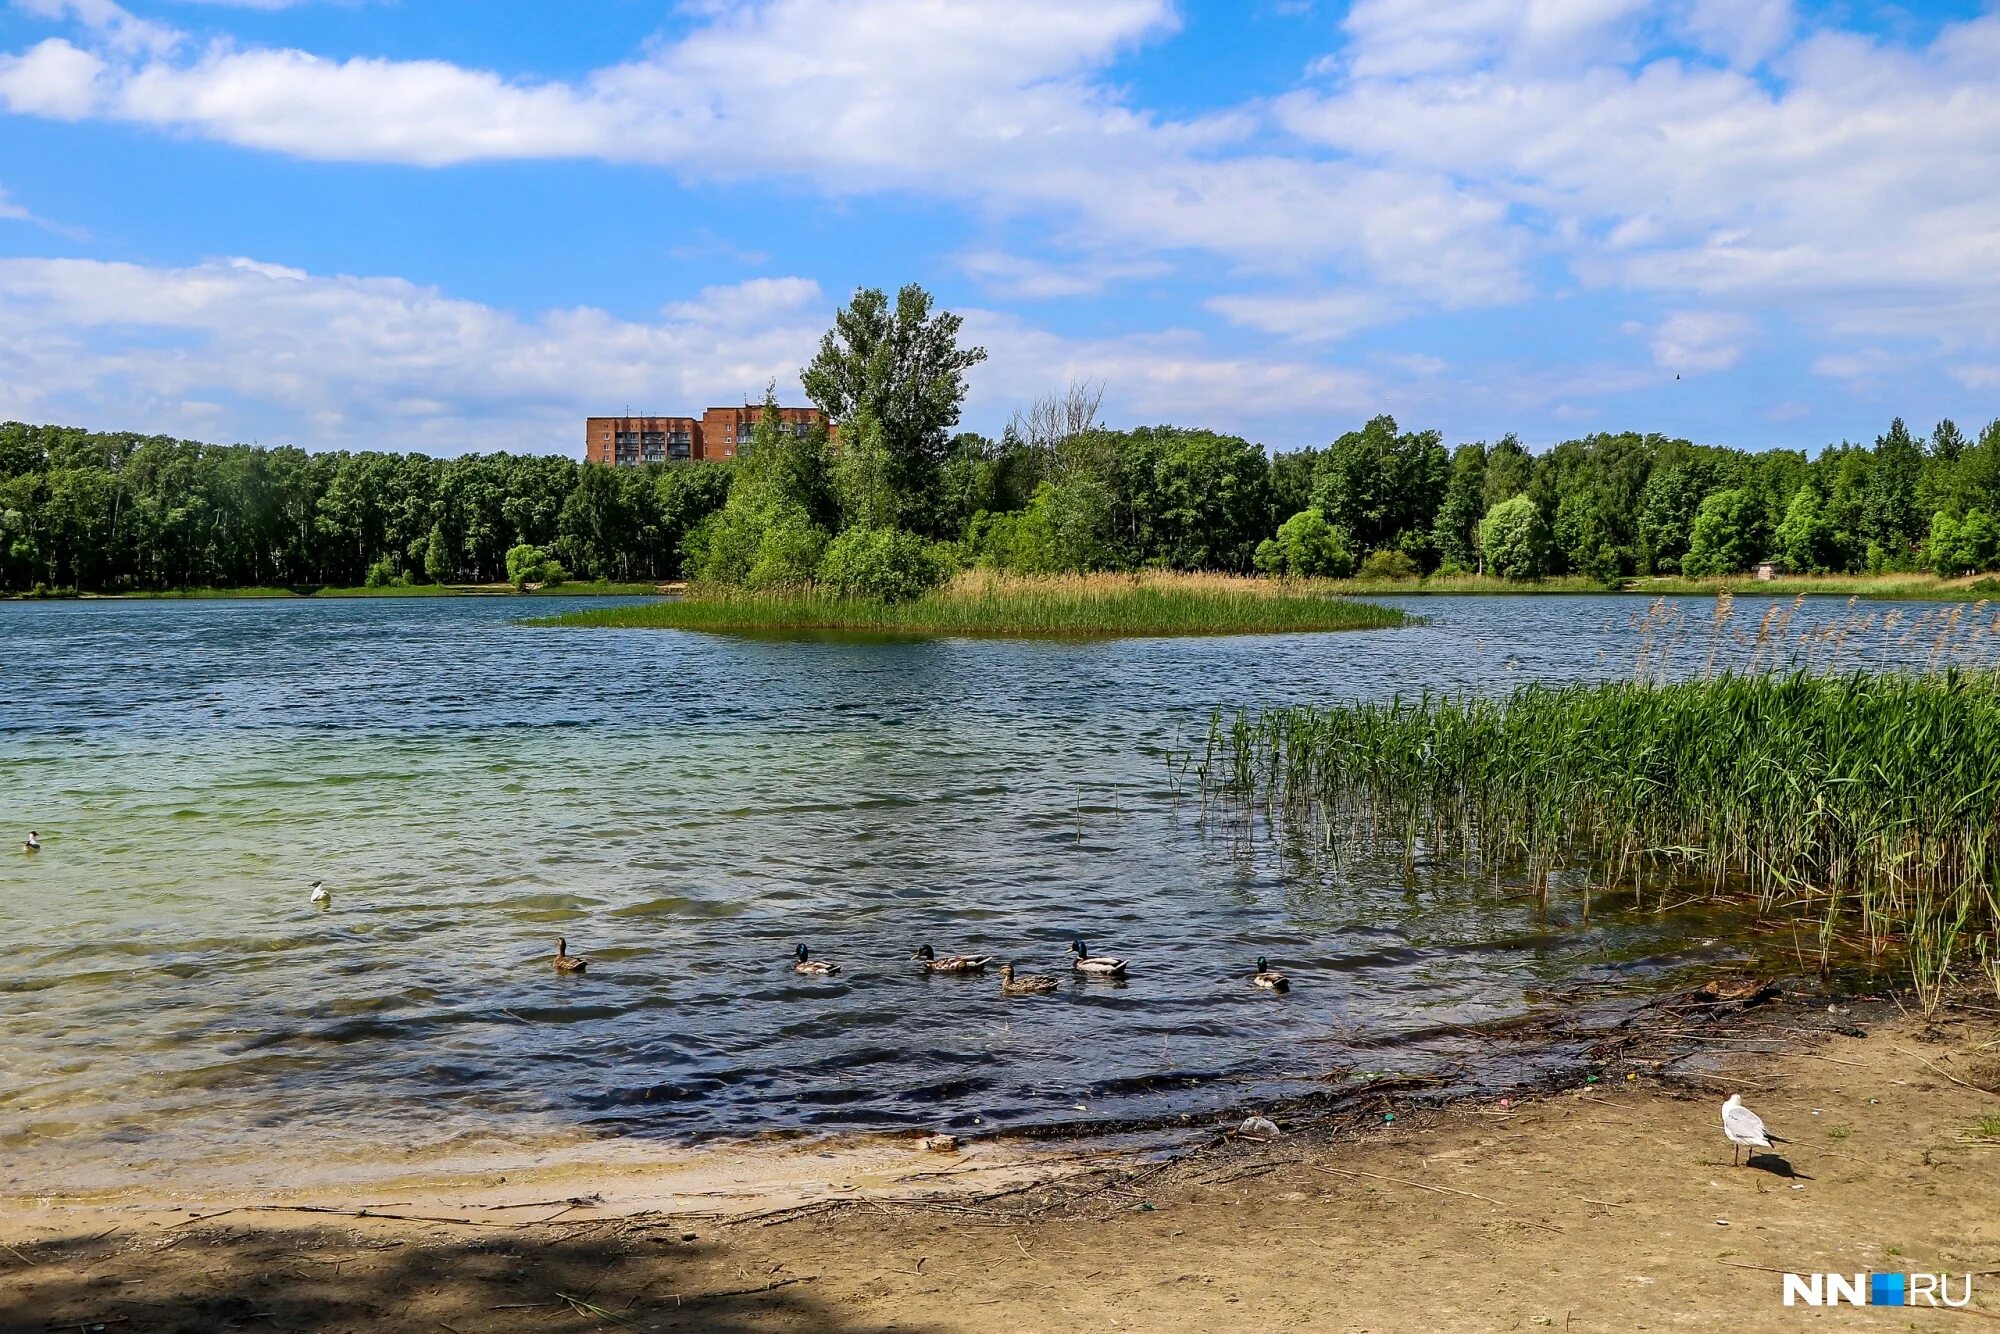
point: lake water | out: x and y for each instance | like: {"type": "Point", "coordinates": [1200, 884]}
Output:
{"type": "Point", "coordinates": [686, 808]}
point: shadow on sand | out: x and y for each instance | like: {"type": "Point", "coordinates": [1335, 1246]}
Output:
{"type": "Point", "coordinates": [322, 1280]}
{"type": "Point", "coordinates": [1776, 1165]}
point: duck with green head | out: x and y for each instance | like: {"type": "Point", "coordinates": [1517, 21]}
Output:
{"type": "Point", "coordinates": [803, 962]}
{"type": "Point", "coordinates": [1094, 965]}
{"type": "Point", "coordinates": [1269, 980]}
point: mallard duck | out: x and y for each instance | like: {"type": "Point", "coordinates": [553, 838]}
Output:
{"type": "Point", "coordinates": [802, 962]}
{"type": "Point", "coordinates": [567, 962]}
{"type": "Point", "coordinates": [1098, 966]}
{"type": "Point", "coordinates": [320, 897]}
{"type": "Point", "coordinates": [1027, 984]}
{"type": "Point", "coordinates": [952, 963]}
{"type": "Point", "coordinates": [1269, 980]}
{"type": "Point", "coordinates": [32, 843]}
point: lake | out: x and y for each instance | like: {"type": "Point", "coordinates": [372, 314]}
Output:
{"type": "Point", "coordinates": [685, 809]}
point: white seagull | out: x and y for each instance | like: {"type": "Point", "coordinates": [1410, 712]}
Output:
{"type": "Point", "coordinates": [320, 897]}
{"type": "Point", "coordinates": [1745, 1128]}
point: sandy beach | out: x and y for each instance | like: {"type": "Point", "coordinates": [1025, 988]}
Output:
{"type": "Point", "coordinates": [1609, 1204]}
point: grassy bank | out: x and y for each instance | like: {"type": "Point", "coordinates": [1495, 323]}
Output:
{"type": "Point", "coordinates": [1907, 586]}
{"type": "Point", "coordinates": [1439, 585]}
{"type": "Point", "coordinates": [1866, 799]}
{"type": "Point", "coordinates": [1913, 586]}
{"type": "Point", "coordinates": [981, 603]}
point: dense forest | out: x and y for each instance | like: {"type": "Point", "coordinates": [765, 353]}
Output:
{"type": "Point", "coordinates": [82, 510]}
{"type": "Point", "coordinates": [899, 499]}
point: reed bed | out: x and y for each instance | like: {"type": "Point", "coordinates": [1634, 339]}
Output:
{"type": "Point", "coordinates": [983, 603]}
{"type": "Point", "coordinates": [1675, 638]}
{"type": "Point", "coordinates": [1868, 799]}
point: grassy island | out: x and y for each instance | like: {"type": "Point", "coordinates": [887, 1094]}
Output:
{"type": "Point", "coordinates": [982, 603]}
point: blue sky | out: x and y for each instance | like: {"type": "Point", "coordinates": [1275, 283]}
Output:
{"type": "Point", "coordinates": [443, 225]}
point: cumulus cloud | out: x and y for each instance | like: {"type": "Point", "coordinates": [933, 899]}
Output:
{"type": "Point", "coordinates": [247, 348]}
{"type": "Point", "coordinates": [51, 78]}
{"type": "Point", "coordinates": [1174, 375]}
{"type": "Point", "coordinates": [1691, 340]}
{"type": "Point", "coordinates": [1029, 279]}
{"type": "Point", "coordinates": [1305, 317]}
{"type": "Point", "coordinates": [1858, 179]}
{"type": "Point", "coordinates": [989, 103]}
{"type": "Point", "coordinates": [237, 348]}
{"type": "Point", "coordinates": [1730, 167]}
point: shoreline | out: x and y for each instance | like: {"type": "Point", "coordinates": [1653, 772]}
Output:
{"type": "Point", "coordinates": [1899, 587]}
{"type": "Point", "coordinates": [1398, 1207]}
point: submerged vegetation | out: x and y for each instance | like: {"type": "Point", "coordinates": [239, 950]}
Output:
{"type": "Point", "coordinates": [1866, 799]}
{"type": "Point", "coordinates": [991, 604]}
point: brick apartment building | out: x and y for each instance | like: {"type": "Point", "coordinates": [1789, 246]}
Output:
{"type": "Point", "coordinates": [717, 434]}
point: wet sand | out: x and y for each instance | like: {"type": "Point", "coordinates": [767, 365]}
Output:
{"type": "Point", "coordinates": [1604, 1205]}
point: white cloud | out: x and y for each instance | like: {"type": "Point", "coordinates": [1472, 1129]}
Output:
{"type": "Point", "coordinates": [1692, 340]}
{"type": "Point", "coordinates": [1305, 317]}
{"type": "Point", "coordinates": [13, 211]}
{"type": "Point", "coordinates": [1020, 277]}
{"type": "Point", "coordinates": [51, 78]}
{"type": "Point", "coordinates": [243, 348]}
{"type": "Point", "coordinates": [424, 112]}
{"type": "Point", "coordinates": [984, 102]}
{"type": "Point", "coordinates": [1862, 369]}
{"type": "Point", "coordinates": [119, 29]}
{"type": "Point", "coordinates": [1169, 376]}
{"type": "Point", "coordinates": [1744, 32]}
{"type": "Point", "coordinates": [1394, 38]}
{"type": "Point", "coordinates": [1714, 156]}
{"type": "Point", "coordinates": [236, 348]}
{"type": "Point", "coordinates": [1856, 186]}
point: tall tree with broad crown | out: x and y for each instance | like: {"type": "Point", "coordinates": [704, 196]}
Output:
{"type": "Point", "coordinates": [904, 366]}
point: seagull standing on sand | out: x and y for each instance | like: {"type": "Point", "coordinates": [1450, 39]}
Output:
{"type": "Point", "coordinates": [1745, 1128]}
{"type": "Point", "coordinates": [320, 897]}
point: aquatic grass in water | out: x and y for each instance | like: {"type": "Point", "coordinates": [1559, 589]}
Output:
{"type": "Point", "coordinates": [1673, 638]}
{"type": "Point", "coordinates": [1869, 798]}
{"type": "Point", "coordinates": [986, 603]}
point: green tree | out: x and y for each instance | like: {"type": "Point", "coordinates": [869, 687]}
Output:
{"type": "Point", "coordinates": [1510, 470]}
{"type": "Point", "coordinates": [1891, 518]}
{"type": "Point", "coordinates": [1206, 500]}
{"type": "Point", "coordinates": [530, 564]}
{"type": "Point", "coordinates": [1514, 538]}
{"type": "Point", "coordinates": [1961, 546]}
{"type": "Point", "coordinates": [904, 366]}
{"type": "Point", "coordinates": [1378, 483]}
{"type": "Point", "coordinates": [1805, 540]}
{"type": "Point", "coordinates": [1307, 546]}
{"type": "Point", "coordinates": [1387, 565]}
{"type": "Point", "coordinates": [437, 557]}
{"type": "Point", "coordinates": [1455, 535]}
{"type": "Point", "coordinates": [779, 515]}
{"type": "Point", "coordinates": [881, 564]}
{"type": "Point", "coordinates": [1726, 535]}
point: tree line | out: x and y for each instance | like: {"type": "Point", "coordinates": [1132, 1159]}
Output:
{"type": "Point", "coordinates": [897, 498]}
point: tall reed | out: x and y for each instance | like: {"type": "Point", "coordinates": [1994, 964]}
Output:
{"type": "Point", "coordinates": [1868, 798]}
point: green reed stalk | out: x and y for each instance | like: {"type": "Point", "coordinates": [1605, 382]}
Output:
{"type": "Point", "coordinates": [1868, 799]}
